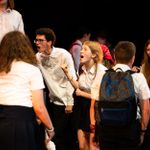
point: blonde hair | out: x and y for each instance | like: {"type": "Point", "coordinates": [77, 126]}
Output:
{"type": "Point", "coordinates": [95, 49]}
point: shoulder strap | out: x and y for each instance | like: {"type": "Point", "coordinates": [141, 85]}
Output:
{"type": "Point", "coordinates": [130, 71]}
{"type": "Point", "coordinates": [119, 69]}
{"type": "Point", "coordinates": [112, 70]}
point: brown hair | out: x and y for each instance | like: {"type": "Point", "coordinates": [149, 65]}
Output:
{"type": "Point", "coordinates": [48, 33]}
{"type": "Point", "coordinates": [15, 46]}
{"type": "Point", "coordinates": [124, 51]}
{"type": "Point", "coordinates": [10, 4]}
{"type": "Point", "coordinates": [146, 63]}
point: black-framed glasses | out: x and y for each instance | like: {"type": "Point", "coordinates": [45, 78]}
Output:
{"type": "Point", "coordinates": [39, 40]}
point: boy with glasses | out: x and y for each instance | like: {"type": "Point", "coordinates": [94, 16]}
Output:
{"type": "Point", "coordinates": [60, 89]}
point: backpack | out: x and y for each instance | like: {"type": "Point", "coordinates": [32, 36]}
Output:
{"type": "Point", "coordinates": [117, 106]}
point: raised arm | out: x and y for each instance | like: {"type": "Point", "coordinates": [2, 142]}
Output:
{"type": "Point", "coordinates": [73, 81]}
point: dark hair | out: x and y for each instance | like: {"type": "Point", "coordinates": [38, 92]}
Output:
{"type": "Point", "coordinates": [10, 4]}
{"type": "Point", "coordinates": [146, 62]}
{"type": "Point", "coordinates": [48, 33]}
{"type": "Point", "coordinates": [124, 51]}
{"type": "Point", "coordinates": [15, 46]}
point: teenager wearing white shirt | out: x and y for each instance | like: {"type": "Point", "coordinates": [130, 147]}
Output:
{"type": "Point", "coordinates": [21, 96]}
{"type": "Point", "coordinates": [60, 89]}
{"type": "Point", "coordinates": [124, 56]}
{"type": "Point", "coordinates": [10, 19]}
{"type": "Point", "coordinates": [91, 57]}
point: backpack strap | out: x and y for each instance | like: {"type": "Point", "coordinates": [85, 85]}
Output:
{"type": "Point", "coordinates": [113, 70]}
{"type": "Point", "coordinates": [130, 71]}
{"type": "Point", "coordinates": [119, 69]}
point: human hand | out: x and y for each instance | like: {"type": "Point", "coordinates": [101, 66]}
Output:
{"type": "Point", "coordinates": [49, 134]}
{"type": "Point", "coordinates": [78, 92]}
{"type": "Point", "coordinates": [64, 68]}
{"type": "Point", "coordinates": [68, 109]}
{"type": "Point", "coordinates": [135, 69]}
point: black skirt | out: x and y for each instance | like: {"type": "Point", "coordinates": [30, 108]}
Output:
{"type": "Point", "coordinates": [82, 113]}
{"type": "Point", "coordinates": [19, 129]}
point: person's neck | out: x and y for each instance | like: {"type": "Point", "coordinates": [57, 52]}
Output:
{"type": "Point", "coordinates": [89, 65]}
{"type": "Point", "coordinates": [48, 51]}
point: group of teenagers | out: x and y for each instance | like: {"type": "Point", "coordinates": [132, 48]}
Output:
{"type": "Point", "coordinates": [43, 93]}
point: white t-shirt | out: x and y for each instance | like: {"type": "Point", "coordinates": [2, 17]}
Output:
{"type": "Point", "coordinates": [16, 87]}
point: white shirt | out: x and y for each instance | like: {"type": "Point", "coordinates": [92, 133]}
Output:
{"type": "Point", "coordinates": [16, 87]}
{"type": "Point", "coordinates": [87, 77]}
{"type": "Point", "coordinates": [58, 84]}
{"type": "Point", "coordinates": [10, 20]}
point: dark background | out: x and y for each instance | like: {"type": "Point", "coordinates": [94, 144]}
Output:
{"type": "Point", "coordinates": [117, 19]}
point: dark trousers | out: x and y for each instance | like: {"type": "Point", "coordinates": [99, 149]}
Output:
{"type": "Point", "coordinates": [120, 138]}
{"type": "Point", "coordinates": [64, 133]}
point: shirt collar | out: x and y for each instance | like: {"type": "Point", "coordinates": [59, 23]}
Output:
{"type": "Point", "coordinates": [124, 67]}
{"type": "Point", "coordinates": [91, 71]}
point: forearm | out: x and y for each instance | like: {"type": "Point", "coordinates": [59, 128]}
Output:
{"type": "Point", "coordinates": [144, 120]}
{"type": "Point", "coordinates": [145, 114]}
{"type": "Point", "coordinates": [43, 115]}
{"type": "Point", "coordinates": [83, 94]}
{"type": "Point", "coordinates": [73, 82]}
{"type": "Point", "coordinates": [40, 108]}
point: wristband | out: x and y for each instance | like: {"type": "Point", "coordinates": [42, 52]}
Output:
{"type": "Point", "coordinates": [50, 130]}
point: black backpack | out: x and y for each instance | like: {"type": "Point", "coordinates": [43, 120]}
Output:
{"type": "Point", "coordinates": [117, 106]}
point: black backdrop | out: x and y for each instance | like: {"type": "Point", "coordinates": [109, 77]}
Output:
{"type": "Point", "coordinates": [121, 20]}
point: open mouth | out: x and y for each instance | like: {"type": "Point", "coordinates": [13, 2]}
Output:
{"type": "Point", "coordinates": [38, 47]}
{"type": "Point", "coordinates": [81, 56]}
